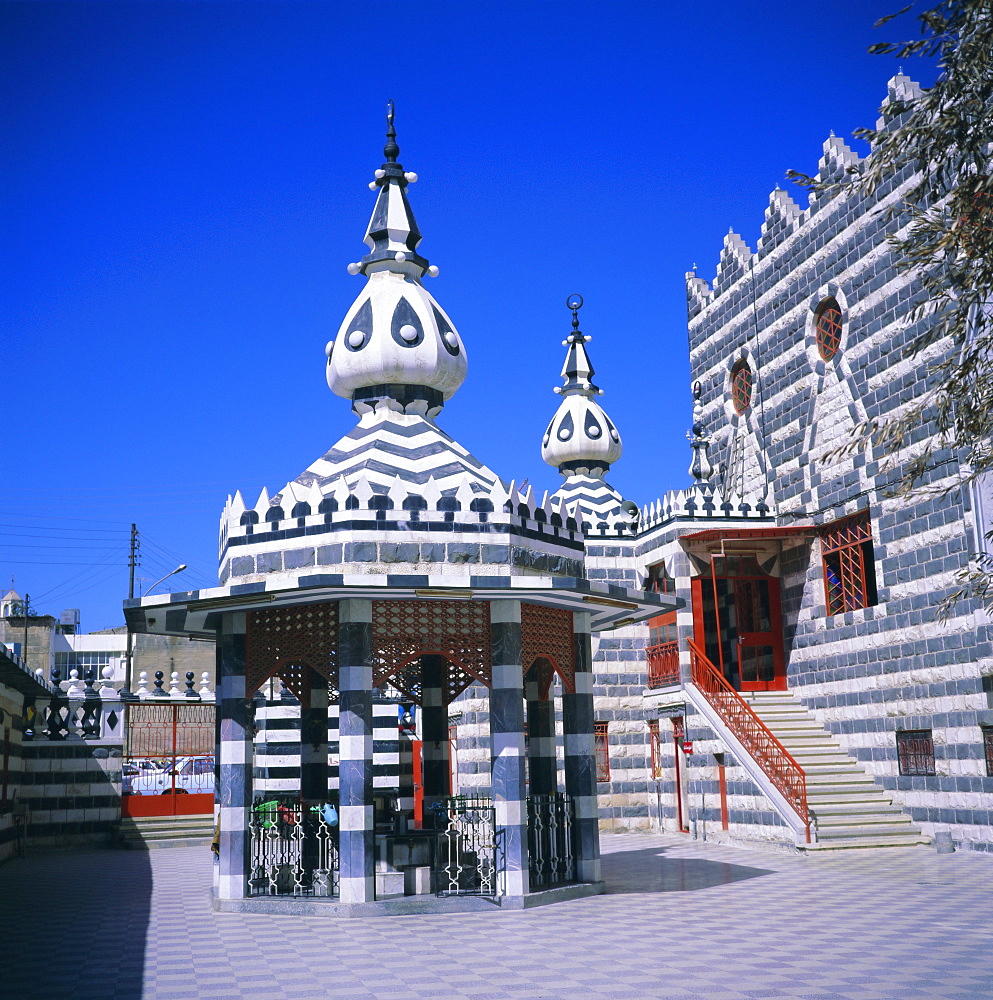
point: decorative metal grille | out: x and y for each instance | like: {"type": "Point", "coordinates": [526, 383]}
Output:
{"type": "Point", "coordinates": [741, 386]}
{"type": "Point", "coordinates": [466, 855]}
{"type": "Point", "coordinates": [845, 548]}
{"type": "Point", "coordinates": [550, 857]}
{"type": "Point", "coordinates": [601, 747]}
{"type": "Point", "coordinates": [827, 328]}
{"type": "Point", "coordinates": [915, 752]}
{"type": "Point", "coordinates": [285, 642]}
{"type": "Point", "coordinates": [294, 851]}
{"type": "Point", "coordinates": [655, 745]}
{"type": "Point", "coordinates": [548, 632]}
{"type": "Point", "coordinates": [988, 749]}
{"type": "Point", "coordinates": [403, 631]}
{"type": "Point", "coordinates": [663, 664]}
{"type": "Point", "coordinates": [170, 730]}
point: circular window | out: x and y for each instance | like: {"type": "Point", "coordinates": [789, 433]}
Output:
{"type": "Point", "coordinates": [827, 328]}
{"type": "Point", "coordinates": [741, 386]}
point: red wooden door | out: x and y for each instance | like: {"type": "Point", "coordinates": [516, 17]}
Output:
{"type": "Point", "coordinates": [418, 768]}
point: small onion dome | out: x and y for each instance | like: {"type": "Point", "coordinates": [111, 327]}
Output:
{"type": "Point", "coordinates": [581, 435]}
{"type": "Point", "coordinates": [395, 342]}
{"type": "Point", "coordinates": [395, 334]}
{"type": "Point", "coordinates": [581, 439]}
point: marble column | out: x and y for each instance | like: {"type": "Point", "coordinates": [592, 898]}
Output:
{"type": "Point", "coordinates": [235, 758]}
{"type": "Point", "coordinates": [580, 756]}
{"type": "Point", "coordinates": [314, 741]}
{"type": "Point", "coordinates": [507, 745]}
{"type": "Point", "coordinates": [542, 770]}
{"type": "Point", "coordinates": [357, 841]}
{"type": "Point", "coordinates": [434, 734]}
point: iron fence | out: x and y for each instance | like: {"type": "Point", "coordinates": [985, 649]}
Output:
{"type": "Point", "coordinates": [466, 856]}
{"type": "Point", "coordinates": [294, 850]}
{"type": "Point", "coordinates": [550, 858]}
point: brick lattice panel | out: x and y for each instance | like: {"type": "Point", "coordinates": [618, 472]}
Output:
{"type": "Point", "coordinates": [548, 633]}
{"type": "Point", "coordinates": [285, 642]}
{"type": "Point", "coordinates": [403, 631]}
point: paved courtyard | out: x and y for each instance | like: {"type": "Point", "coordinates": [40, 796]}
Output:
{"type": "Point", "coordinates": [681, 919]}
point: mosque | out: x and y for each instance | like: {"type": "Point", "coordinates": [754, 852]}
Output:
{"type": "Point", "coordinates": [752, 659]}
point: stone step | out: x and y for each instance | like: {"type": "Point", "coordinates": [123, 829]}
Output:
{"type": "Point", "coordinates": [854, 843]}
{"type": "Point", "coordinates": [856, 831]}
{"type": "Point", "coordinates": [842, 796]}
{"type": "Point", "coordinates": [166, 831]}
{"type": "Point", "coordinates": [856, 808]}
{"type": "Point", "coordinates": [874, 817]}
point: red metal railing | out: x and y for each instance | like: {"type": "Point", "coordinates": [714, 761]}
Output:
{"type": "Point", "coordinates": [774, 759]}
{"type": "Point", "coordinates": [663, 664]}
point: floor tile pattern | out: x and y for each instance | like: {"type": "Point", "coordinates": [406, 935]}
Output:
{"type": "Point", "coordinates": [681, 921]}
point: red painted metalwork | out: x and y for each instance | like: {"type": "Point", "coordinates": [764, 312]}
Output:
{"type": "Point", "coordinates": [286, 642]}
{"type": "Point", "coordinates": [418, 762]}
{"type": "Point", "coordinates": [601, 746]}
{"type": "Point", "coordinates": [722, 785]}
{"type": "Point", "coordinates": [746, 534]}
{"type": "Point", "coordinates": [827, 328]}
{"type": "Point", "coordinates": [404, 631]}
{"type": "Point", "coordinates": [663, 664]}
{"type": "Point", "coordinates": [843, 548]}
{"type": "Point", "coordinates": [548, 632]}
{"type": "Point", "coordinates": [175, 736]}
{"type": "Point", "coordinates": [655, 745]}
{"type": "Point", "coordinates": [678, 732]}
{"type": "Point", "coordinates": [774, 759]}
{"type": "Point", "coordinates": [741, 386]}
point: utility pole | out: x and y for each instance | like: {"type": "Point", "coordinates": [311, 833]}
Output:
{"type": "Point", "coordinates": [24, 610]}
{"type": "Point", "coordinates": [132, 563]}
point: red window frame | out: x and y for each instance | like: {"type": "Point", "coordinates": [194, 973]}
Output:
{"type": "Point", "coordinates": [848, 564]}
{"type": "Point", "coordinates": [655, 744]}
{"type": "Point", "coordinates": [915, 752]}
{"type": "Point", "coordinates": [827, 328]}
{"type": "Point", "coordinates": [741, 386]}
{"type": "Point", "coordinates": [601, 748]}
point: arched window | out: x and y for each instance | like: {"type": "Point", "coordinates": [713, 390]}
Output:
{"type": "Point", "coordinates": [301, 509]}
{"type": "Point", "coordinates": [274, 514]}
{"type": "Point", "coordinates": [327, 506]}
{"type": "Point", "coordinates": [827, 328]}
{"type": "Point", "coordinates": [741, 386]}
{"type": "Point", "coordinates": [250, 517]}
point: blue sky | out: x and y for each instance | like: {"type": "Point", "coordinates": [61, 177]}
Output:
{"type": "Point", "coordinates": [184, 184]}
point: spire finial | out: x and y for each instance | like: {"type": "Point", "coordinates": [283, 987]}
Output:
{"type": "Point", "coordinates": [391, 150]}
{"type": "Point", "coordinates": [575, 303]}
{"type": "Point", "coordinates": [701, 468]}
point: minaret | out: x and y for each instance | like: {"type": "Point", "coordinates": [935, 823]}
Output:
{"type": "Point", "coordinates": [581, 441]}
{"type": "Point", "coordinates": [396, 344]}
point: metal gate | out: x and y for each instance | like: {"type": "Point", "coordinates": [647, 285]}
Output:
{"type": "Point", "coordinates": [550, 858]}
{"type": "Point", "coordinates": [466, 856]}
{"type": "Point", "coordinates": [294, 849]}
{"type": "Point", "coordinates": [168, 767]}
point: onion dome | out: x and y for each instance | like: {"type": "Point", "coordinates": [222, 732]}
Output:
{"type": "Point", "coordinates": [395, 343]}
{"type": "Point", "coordinates": [581, 439]}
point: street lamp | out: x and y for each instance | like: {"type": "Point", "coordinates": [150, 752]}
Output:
{"type": "Point", "coordinates": [178, 569]}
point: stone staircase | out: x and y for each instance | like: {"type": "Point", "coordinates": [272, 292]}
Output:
{"type": "Point", "coordinates": [848, 808]}
{"type": "Point", "coordinates": [150, 832]}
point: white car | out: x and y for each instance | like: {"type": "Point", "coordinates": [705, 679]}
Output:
{"type": "Point", "coordinates": [191, 775]}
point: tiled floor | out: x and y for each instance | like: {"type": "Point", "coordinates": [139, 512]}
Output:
{"type": "Point", "coordinates": [681, 920]}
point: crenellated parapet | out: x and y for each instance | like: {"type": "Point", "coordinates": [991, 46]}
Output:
{"type": "Point", "coordinates": [783, 217]}
{"type": "Point", "coordinates": [704, 502]}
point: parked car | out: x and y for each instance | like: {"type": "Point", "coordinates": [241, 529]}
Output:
{"type": "Point", "coordinates": [135, 766]}
{"type": "Point", "coordinates": [190, 775]}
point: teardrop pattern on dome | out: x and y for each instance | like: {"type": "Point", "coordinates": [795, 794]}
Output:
{"type": "Point", "coordinates": [449, 338]}
{"type": "Point", "coordinates": [548, 433]}
{"type": "Point", "coordinates": [592, 426]}
{"type": "Point", "coordinates": [614, 436]}
{"type": "Point", "coordinates": [566, 428]}
{"type": "Point", "coordinates": [404, 316]}
{"type": "Point", "coordinates": [361, 323]}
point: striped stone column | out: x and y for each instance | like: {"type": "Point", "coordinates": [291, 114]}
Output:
{"type": "Point", "coordinates": [357, 843]}
{"type": "Point", "coordinates": [234, 754]}
{"type": "Point", "coordinates": [507, 744]}
{"type": "Point", "coordinates": [580, 756]}
{"type": "Point", "coordinates": [542, 770]}
{"type": "Point", "coordinates": [434, 734]}
{"type": "Point", "coordinates": [314, 741]}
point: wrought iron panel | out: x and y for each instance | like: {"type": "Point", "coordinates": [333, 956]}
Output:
{"type": "Point", "coordinates": [294, 851]}
{"type": "Point", "coordinates": [466, 855]}
{"type": "Point", "coordinates": [170, 730]}
{"type": "Point", "coordinates": [403, 631]}
{"type": "Point", "coordinates": [285, 642]}
{"type": "Point", "coordinates": [548, 633]}
{"type": "Point", "coordinates": [550, 858]}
